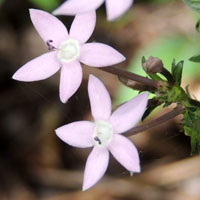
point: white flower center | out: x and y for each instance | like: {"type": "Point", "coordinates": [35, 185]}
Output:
{"type": "Point", "coordinates": [103, 133]}
{"type": "Point", "coordinates": [68, 50]}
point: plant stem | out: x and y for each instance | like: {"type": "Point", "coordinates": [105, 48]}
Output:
{"type": "Point", "coordinates": [129, 75]}
{"type": "Point", "coordinates": [164, 118]}
{"type": "Point", "coordinates": [135, 85]}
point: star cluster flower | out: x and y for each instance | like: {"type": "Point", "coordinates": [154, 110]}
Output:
{"type": "Point", "coordinates": [67, 51]}
{"type": "Point", "coordinates": [104, 134]}
{"type": "Point", "coordinates": [114, 8]}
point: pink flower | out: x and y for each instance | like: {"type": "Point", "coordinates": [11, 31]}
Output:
{"type": "Point", "coordinates": [104, 134]}
{"type": "Point", "coordinates": [67, 51]}
{"type": "Point", "coordinates": [114, 8]}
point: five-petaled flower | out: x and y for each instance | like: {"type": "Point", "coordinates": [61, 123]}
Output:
{"type": "Point", "coordinates": [105, 133]}
{"type": "Point", "coordinates": [114, 8]}
{"type": "Point", "coordinates": [67, 51]}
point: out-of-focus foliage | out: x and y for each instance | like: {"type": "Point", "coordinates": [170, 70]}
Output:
{"type": "Point", "coordinates": [198, 25]}
{"type": "Point", "coordinates": [1, 2]}
{"type": "Point", "coordinates": [47, 5]}
{"type": "Point", "coordinates": [194, 4]}
{"type": "Point", "coordinates": [195, 58]}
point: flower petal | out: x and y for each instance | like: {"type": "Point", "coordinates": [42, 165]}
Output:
{"type": "Point", "coordinates": [129, 114]}
{"type": "Point", "coordinates": [70, 80]}
{"type": "Point", "coordinates": [83, 26]}
{"type": "Point", "coordinates": [48, 26]}
{"type": "Point", "coordinates": [100, 100]}
{"type": "Point", "coordinates": [96, 166]}
{"type": "Point", "coordinates": [116, 9]}
{"type": "Point", "coordinates": [73, 7]}
{"type": "Point", "coordinates": [77, 134]}
{"type": "Point", "coordinates": [125, 153]}
{"type": "Point", "coordinates": [99, 55]}
{"type": "Point", "coordinates": [39, 68]}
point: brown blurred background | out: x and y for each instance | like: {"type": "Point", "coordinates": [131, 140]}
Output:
{"type": "Point", "coordinates": [36, 165]}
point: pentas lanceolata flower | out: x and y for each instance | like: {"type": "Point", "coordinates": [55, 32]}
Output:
{"type": "Point", "coordinates": [67, 51]}
{"type": "Point", "coordinates": [104, 134]}
{"type": "Point", "coordinates": [114, 8]}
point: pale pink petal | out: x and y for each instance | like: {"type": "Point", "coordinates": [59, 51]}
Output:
{"type": "Point", "coordinates": [125, 153]}
{"type": "Point", "coordinates": [117, 8]}
{"type": "Point", "coordinates": [83, 26]}
{"type": "Point", "coordinates": [99, 55]}
{"type": "Point", "coordinates": [129, 114]}
{"type": "Point", "coordinates": [77, 134]}
{"type": "Point", "coordinates": [49, 27]}
{"type": "Point", "coordinates": [39, 68]}
{"type": "Point", "coordinates": [96, 166]}
{"type": "Point", "coordinates": [74, 7]}
{"type": "Point", "coordinates": [70, 80]}
{"type": "Point", "coordinates": [100, 100]}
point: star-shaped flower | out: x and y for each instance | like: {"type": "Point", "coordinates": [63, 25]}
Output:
{"type": "Point", "coordinates": [114, 8]}
{"type": "Point", "coordinates": [67, 51]}
{"type": "Point", "coordinates": [105, 133]}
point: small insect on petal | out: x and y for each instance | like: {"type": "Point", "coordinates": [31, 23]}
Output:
{"type": "Point", "coordinates": [49, 45]}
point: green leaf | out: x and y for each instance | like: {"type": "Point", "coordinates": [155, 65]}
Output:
{"type": "Point", "coordinates": [173, 67]}
{"type": "Point", "coordinates": [150, 109]}
{"type": "Point", "coordinates": [195, 58]}
{"type": "Point", "coordinates": [187, 91]}
{"type": "Point", "coordinates": [193, 4]}
{"type": "Point", "coordinates": [198, 26]}
{"type": "Point", "coordinates": [177, 70]}
{"type": "Point", "coordinates": [156, 77]}
{"type": "Point", "coordinates": [47, 5]}
{"type": "Point", "coordinates": [192, 127]}
{"type": "Point", "coordinates": [143, 60]}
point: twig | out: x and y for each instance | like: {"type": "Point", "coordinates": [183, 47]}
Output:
{"type": "Point", "coordinates": [164, 118]}
{"type": "Point", "coordinates": [129, 75]}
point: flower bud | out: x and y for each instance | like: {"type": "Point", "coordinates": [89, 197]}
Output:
{"type": "Point", "coordinates": [153, 65]}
